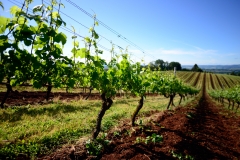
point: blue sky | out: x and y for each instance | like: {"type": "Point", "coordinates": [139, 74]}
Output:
{"type": "Point", "coordinates": [186, 31]}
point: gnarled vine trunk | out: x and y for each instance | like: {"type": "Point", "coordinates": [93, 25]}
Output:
{"type": "Point", "coordinates": [182, 97]}
{"type": "Point", "coordinates": [140, 105]}
{"type": "Point", "coordinates": [9, 89]}
{"type": "Point", "coordinates": [229, 103]}
{"type": "Point", "coordinates": [171, 100]}
{"type": "Point", "coordinates": [90, 91]}
{"type": "Point", "coordinates": [49, 88]}
{"type": "Point", "coordinates": [106, 104]}
{"type": "Point", "coordinates": [233, 104]}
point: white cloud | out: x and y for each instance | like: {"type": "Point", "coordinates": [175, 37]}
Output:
{"type": "Point", "coordinates": [179, 55]}
{"type": "Point", "coordinates": [184, 52]}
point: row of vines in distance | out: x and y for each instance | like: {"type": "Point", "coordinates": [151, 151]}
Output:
{"type": "Point", "coordinates": [223, 88]}
{"type": "Point", "coordinates": [232, 95]}
{"type": "Point", "coordinates": [214, 81]}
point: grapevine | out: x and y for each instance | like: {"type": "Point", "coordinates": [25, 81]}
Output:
{"type": "Point", "coordinates": [231, 95]}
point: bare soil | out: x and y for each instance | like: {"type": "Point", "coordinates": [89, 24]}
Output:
{"type": "Point", "coordinates": [200, 130]}
{"type": "Point", "coordinates": [16, 98]}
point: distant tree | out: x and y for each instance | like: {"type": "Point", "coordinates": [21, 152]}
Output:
{"type": "Point", "coordinates": [152, 65]}
{"type": "Point", "coordinates": [235, 73]}
{"type": "Point", "coordinates": [232, 73]}
{"type": "Point", "coordinates": [160, 63]}
{"type": "Point", "coordinates": [185, 69]}
{"type": "Point", "coordinates": [166, 65]}
{"type": "Point", "coordinates": [196, 68]}
{"type": "Point", "coordinates": [175, 64]}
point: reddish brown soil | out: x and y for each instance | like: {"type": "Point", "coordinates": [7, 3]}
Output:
{"type": "Point", "coordinates": [23, 98]}
{"type": "Point", "coordinates": [16, 98]}
{"type": "Point", "coordinates": [202, 130]}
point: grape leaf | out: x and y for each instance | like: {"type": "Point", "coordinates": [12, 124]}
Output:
{"type": "Point", "coordinates": [14, 9]}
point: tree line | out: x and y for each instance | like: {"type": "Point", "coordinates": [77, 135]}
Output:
{"type": "Point", "coordinates": [159, 64]}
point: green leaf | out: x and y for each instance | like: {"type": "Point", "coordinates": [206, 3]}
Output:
{"type": "Point", "coordinates": [27, 42]}
{"type": "Point", "coordinates": [87, 39]}
{"type": "Point", "coordinates": [36, 84]}
{"type": "Point", "coordinates": [62, 5]}
{"type": "Point", "coordinates": [21, 20]}
{"type": "Point", "coordinates": [76, 44]}
{"type": "Point", "coordinates": [81, 53]}
{"type": "Point", "coordinates": [60, 37]}
{"type": "Point", "coordinates": [37, 8]}
{"type": "Point", "coordinates": [59, 22]}
{"type": "Point", "coordinates": [71, 82]}
{"type": "Point", "coordinates": [3, 23]}
{"type": "Point", "coordinates": [33, 29]}
{"type": "Point", "coordinates": [90, 29]}
{"type": "Point", "coordinates": [96, 23]}
{"type": "Point", "coordinates": [55, 14]}
{"type": "Point", "coordinates": [94, 76]}
{"type": "Point", "coordinates": [74, 37]}
{"type": "Point", "coordinates": [95, 35]}
{"type": "Point", "coordinates": [13, 82]}
{"type": "Point", "coordinates": [14, 10]}
{"type": "Point", "coordinates": [49, 8]}
{"type": "Point", "coordinates": [1, 5]}
{"type": "Point", "coordinates": [74, 51]}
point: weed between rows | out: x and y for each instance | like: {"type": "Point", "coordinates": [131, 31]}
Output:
{"type": "Point", "coordinates": [154, 138]}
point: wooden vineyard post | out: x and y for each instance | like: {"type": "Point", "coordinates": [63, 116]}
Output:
{"type": "Point", "coordinates": [174, 71]}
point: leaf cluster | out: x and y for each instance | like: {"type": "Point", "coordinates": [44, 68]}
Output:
{"type": "Point", "coordinates": [34, 53]}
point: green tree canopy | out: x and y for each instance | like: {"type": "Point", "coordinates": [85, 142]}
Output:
{"type": "Point", "coordinates": [175, 64]}
{"type": "Point", "coordinates": [164, 65]}
{"type": "Point", "coordinates": [159, 63]}
{"type": "Point", "coordinates": [196, 68]}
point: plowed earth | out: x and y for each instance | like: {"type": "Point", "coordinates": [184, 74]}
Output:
{"type": "Point", "coordinates": [16, 98]}
{"type": "Point", "coordinates": [200, 130]}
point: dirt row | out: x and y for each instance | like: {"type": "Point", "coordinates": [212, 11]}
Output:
{"type": "Point", "coordinates": [200, 130]}
{"type": "Point", "coordinates": [16, 98]}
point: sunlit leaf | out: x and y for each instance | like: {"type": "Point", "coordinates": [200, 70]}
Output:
{"type": "Point", "coordinates": [96, 23]}
{"type": "Point", "coordinates": [81, 53]}
{"type": "Point", "coordinates": [74, 51]}
{"type": "Point", "coordinates": [76, 44]}
{"type": "Point", "coordinates": [87, 39]}
{"type": "Point", "coordinates": [21, 20]}
{"type": "Point", "coordinates": [3, 23]}
{"type": "Point", "coordinates": [14, 10]}
{"type": "Point", "coordinates": [55, 14]}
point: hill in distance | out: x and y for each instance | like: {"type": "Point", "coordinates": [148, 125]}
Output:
{"type": "Point", "coordinates": [217, 68]}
